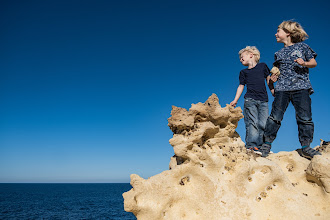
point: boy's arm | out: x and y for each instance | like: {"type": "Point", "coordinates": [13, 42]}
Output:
{"type": "Point", "coordinates": [270, 84]}
{"type": "Point", "coordinates": [310, 64]}
{"type": "Point", "coordinates": [239, 92]}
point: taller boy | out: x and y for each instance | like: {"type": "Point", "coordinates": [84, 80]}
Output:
{"type": "Point", "coordinates": [294, 61]}
{"type": "Point", "coordinates": [256, 98]}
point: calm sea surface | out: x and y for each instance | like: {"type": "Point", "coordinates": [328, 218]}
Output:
{"type": "Point", "coordinates": [64, 201]}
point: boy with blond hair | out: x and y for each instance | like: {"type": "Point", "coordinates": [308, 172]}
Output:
{"type": "Point", "coordinates": [294, 61]}
{"type": "Point", "coordinates": [256, 97]}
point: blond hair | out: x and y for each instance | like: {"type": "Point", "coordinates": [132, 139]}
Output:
{"type": "Point", "coordinates": [296, 31]}
{"type": "Point", "coordinates": [251, 49]}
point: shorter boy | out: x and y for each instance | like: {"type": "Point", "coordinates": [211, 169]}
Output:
{"type": "Point", "coordinates": [256, 97]}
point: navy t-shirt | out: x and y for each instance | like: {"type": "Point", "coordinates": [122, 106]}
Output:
{"type": "Point", "coordinates": [254, 79]}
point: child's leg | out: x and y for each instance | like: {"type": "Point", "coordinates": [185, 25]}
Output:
{"type": "Point", "coordinates": [273, 123]}
{"type": "Point", "coordinates": [262, 118]}
{"type": "Point", "coordinates": [302, 104]}
{"type": "Point", "coordinates": [251, 122]}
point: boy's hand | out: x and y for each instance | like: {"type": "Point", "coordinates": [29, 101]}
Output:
{"type": "Point", "coordinates": [273, 78]}
{"type": "Point", "coordinates": [300, 61]}
{"type": "Point", "coordinates": [275, 72]}
{"type": "Point", "coordinates": [233, 103]}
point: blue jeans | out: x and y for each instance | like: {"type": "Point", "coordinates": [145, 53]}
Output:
{"type": "Point", "coordinates": [302, 103]}
{"type": "Point", "coordinates": [255, 116]}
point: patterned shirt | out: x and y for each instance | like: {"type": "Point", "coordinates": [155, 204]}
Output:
{"type": "Point", "coordinates": [293, 76]}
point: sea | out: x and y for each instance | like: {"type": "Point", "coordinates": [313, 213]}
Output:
{"type": "Point", "coordinates": [63, 201]}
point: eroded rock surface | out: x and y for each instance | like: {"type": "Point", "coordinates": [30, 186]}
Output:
{"type": "Point", "coordinates": [213, 176]}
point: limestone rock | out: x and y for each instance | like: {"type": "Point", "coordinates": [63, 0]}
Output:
{"type": "Point", "coordinates": [213, 176]}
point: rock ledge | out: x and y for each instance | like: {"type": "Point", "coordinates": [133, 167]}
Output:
{"type": "Point", "coordinates": [213, 176]}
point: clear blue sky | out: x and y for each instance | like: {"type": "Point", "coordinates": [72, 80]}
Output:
{"type": "Point", "coordinates": [86, 87]}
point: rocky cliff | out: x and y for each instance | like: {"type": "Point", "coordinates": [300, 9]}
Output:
{"type": "Point", "coordinates": [213, 176]}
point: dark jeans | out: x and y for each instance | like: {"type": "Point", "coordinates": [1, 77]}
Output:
{"type": "Point", "coordinates": [255, 116]}
{"type": "Point", "coordinates": [301, 101]}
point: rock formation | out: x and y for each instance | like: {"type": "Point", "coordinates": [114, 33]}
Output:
{"type": "Point", "coordinates": [213, 176]}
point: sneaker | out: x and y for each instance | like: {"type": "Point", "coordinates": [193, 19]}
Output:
{"type": "Point", "coordinates": [265, 149]}
{"type": "Point", "coordinates": [255, 150]}
{"type": "Point", "coordinates": [309, 152]}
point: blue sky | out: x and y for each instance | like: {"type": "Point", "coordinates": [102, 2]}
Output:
{"type": "Point", "coordinates": [86, 87]}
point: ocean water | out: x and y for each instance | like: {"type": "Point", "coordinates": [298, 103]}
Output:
{"type": "Point", "coordinates": [63, 201]}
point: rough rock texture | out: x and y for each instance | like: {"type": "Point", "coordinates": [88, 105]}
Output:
{"type": "Point", "coordinates": [213, 176]}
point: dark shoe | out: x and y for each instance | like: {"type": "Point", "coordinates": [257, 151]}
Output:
{"type": "Point", "coordinates": [255, 150]}
{"type": "Point", "coordinates": [309, 152]}
{"type": "Point", "coordinates": [265, 149]}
